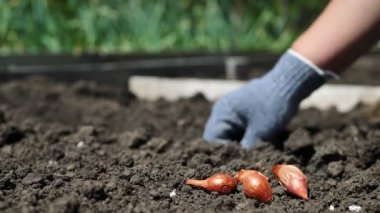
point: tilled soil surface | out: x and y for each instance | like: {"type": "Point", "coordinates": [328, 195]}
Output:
{"type": "Point", "coordinates": [88, 148]}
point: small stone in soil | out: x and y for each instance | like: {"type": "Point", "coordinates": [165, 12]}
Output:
{"type": "Point", "coordinates": [190, 173]}
{"type": "Point", "coordinates": [111, 185]}
{"type": "Point", "coordinates": [158, 144]}
{"type": "Point", "coordinates": [65, 204]}
{"type": "Point", "coordinates": [57, 154]}
{"type": "Point", "coordinates": [136, 180]}
{"type": "Point", "coordinates": [354, 208]}
{"type": "Point", "coordinates": [52, 136]}
{"type": "Point", "coordinates": [126, 160]}
{"type": "Point", "coordinates": [80, 144]}
{"type": "Point", "coordinates": [138, 137]}
{"type": "Point", "coordinates": [335, 168]}
{"type": "Point", "coordinates": [331, 182]}
{"type": "Point", "coordinates": [21, 172]}
{"type": "Point", "coordinates": [32, 178]}
{"type": "Point", "coordinates": [299, 143]}
{"type": "Point", "coordinates": [369, 152]}
{"type": "Point", "coordinates": [127, 174]}
{"type": "Point", "coordinates": [86, 132]}
{"type": "Point", "coordinates": [101, 152]}
{"type": "Point", "coordinates": [327, 153]}
{"type": "Point", "coordinates": [7, 149]}
{"type": "Point", "coordinates": [6, 182]}
{"type": "Point", "coordinates": [172, 193]}
{"type": "Point", "coordinates": [71, 167]}
{"type": "Point", "coordinates": [106, 139]}
{"type": "Point", "coordinates": [197, 159]}
{"type": "Point", "coordinates": [161, 192]}
{"type": "Point", "coordinates": [52, 163]}
{"type": "Point", "coordinates": [94, 191]}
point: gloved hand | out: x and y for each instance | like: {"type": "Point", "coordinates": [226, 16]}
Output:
{"type": "Point", "coordinates": [263, 107]}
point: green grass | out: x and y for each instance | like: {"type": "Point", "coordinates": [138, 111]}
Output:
{"type": "Point", "coordinates": [123, 26]}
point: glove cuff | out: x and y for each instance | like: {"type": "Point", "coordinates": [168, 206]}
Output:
{"type": "Point", "coordinates": [325, 73]}
{"type": "Point", "coordinates": [294, 79]}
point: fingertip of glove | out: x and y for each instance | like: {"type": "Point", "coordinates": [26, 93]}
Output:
{"type": "Point", "coordinates": [212, 139]}
{"type": "Point", "coordinates": [247, 145]}
{"type": "Point", "coordinates": [219, 141]}
{"type": "Point", "coordinates": [248, 141]}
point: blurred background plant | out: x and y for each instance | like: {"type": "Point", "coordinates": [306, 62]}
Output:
{"type": "Point", "coordinates": [124, 26]}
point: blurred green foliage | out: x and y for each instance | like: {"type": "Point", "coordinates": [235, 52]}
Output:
{"type": "Point", "coordinates": [121, 26]}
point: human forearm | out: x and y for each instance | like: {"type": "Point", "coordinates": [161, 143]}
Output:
{"type": "Point", "coordinates": [344, 31]}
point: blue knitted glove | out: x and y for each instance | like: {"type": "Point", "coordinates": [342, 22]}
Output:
{"type": "Point", "coordinates": [262, 108]}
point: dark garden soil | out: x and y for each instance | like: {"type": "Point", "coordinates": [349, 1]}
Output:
{"type": "Point", "coordinates": [87, 148]}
